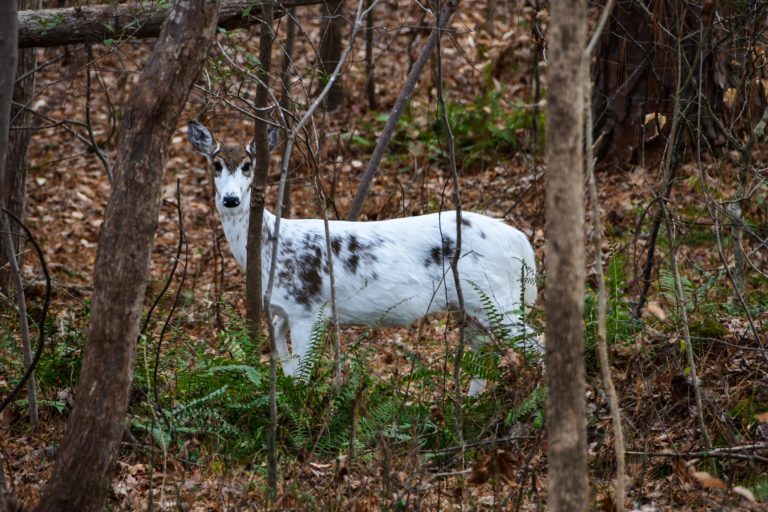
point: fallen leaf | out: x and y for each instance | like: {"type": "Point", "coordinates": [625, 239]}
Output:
{"type": "Point", "coordinates": [656, 310]}
{"type": "Point", "coordinates": [487, 501]}
{"type": "Point", "coordinates": [745, 493]}
{"type": "Point", "coordinates": [762, 417]}
{"type": "Point", "coordinates": [506, 464]}
{"type": "Point", "coordinates": [481, 471]}
{"type": "Point", "coordinates": [137, 468]}
{"type": "Point", "coordinates": [342, 470]}
{"type": "Point", "coordinates": [708, 481]}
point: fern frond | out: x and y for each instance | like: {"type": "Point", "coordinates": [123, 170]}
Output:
{"type": "Point", "coordinates": [316, 345]}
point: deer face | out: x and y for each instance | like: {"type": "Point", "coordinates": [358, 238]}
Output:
{"type": "Point", "coordinates": [232, 168]}
{"type": "Point", "coordinates": [232, 173]}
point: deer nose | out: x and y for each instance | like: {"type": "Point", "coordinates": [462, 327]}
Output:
{"type": "Point", "coordinates": [231, 201]}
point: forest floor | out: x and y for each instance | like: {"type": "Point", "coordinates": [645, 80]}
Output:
{"type": "Point", "coordinates": [202, 446]}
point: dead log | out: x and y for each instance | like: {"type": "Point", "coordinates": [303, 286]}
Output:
{"type": "Point", "coordinates": [99, 23]}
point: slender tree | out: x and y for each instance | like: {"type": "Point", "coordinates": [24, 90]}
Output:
{"type": "Point", "coordinates": [564, 305]}
{"type": "Point", "coordinates": [330, 51]}
{"type": "Point", "coordinates": [254, 271]}
{"type": "Point", "coordinates": [13, 184]}
{"type": "Point", "coordinates": [13, 181]}
{"type": "Point", "coordinates": [83, 469]}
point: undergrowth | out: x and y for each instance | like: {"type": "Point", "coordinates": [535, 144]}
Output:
{"type": "Point", "coordinates": [485, 130]}
{"type": "Point", "coordinates": [222, 402]}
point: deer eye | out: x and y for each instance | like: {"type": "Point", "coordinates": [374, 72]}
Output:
{"type": "Point", "coordinates": [246, 167]}
{"type": "Point", "coordinates": [217, 167]}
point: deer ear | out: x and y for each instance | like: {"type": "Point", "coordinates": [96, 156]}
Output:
{"type": "Point", "coordinates": [201, 139]}
{"type": "Point", "coordinates": [273, 137]}
{"type": "Point", "coordinates": [273, 140]}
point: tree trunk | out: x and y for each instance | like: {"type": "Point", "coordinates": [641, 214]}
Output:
{"type": "Point", "coordinates": [253, 277]}
{"type": "Point", "coordinates": [83, 469]}
{"type": "Point", "coordinates": [330, 51]}
{"type": "Point", "coordinates": [13, 182]}
{"type": "Point", "coordinates": [96, 23]}
{"type": "Point", "coordinates": [636, 70]}
{"type": "Point", "coordinates": [286, 102]}
{"type": "Point", "coordinates": [8, 501]}
{"type": "Point", "coordinates": [564, 304]}
{"type": "Point", "coordinates": [370, 79]}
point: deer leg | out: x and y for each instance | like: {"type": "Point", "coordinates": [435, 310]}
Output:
{"type": "Point", "coordinates": [283, 354]}
{"type": "Point", "coordinates": [477, 332]}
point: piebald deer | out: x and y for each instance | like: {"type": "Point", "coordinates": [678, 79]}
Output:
{"type": "Point", "coordinates": [390, 272]}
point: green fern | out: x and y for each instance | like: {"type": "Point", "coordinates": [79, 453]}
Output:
{"type": "Point", "coordinates": [496, 318]}
{"type": "Point", "coordinates": [669, 289]}
{"type": "Point", "coordinates": [535, 404]}
{"type": "Point", "coordinates": [316, 345]}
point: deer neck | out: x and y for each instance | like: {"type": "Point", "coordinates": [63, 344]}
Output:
{"type": "Point", "coordinates": [235, 223]}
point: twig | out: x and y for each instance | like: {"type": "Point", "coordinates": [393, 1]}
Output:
{"type": "Point", "coordinates": [21, 303]}
{"type": "Point", "coordinates": [538, 38]}
{"type": "Point", "coordinates": [457, 252]}
{"type": "Point", "coordinates": [43, 313]}
{"type": "Point", "coordinates": [257, 302]}
{"type": "Point", "coordinates": [285, 170]}
{"type": "Point", "coordinates": [182, 243]}
{"type": "Point", "coordinates": [738, 293]}
{"type": "Point", "coordinates": [680, 297]}
{"type": "Point", "coordinates": [599, 28]}
{"type": "Point", "coordinates": [94, 145]}
{"type": "Point", "coordinates": [476, 444]}
{"type": "Point", "coordinates": [526, 469]}
{"type": "Point", "coordinates": [39, 68]}
{"type": "Point", "coordinates": [370, 81]}
{"type": "Point", "coordinates": [449, 474]}
{"type": "Point", "coordinates": [597, 230]}
{"type": "Point", "coordinates": [715, 453]}
{"type": "Point", "coordinates": [286, 102]}
{"type": "Point", "coordinates": [355, 413]}
{"type": "Point", "coordinates": [681, 306]}
{"type": "Point", "coordinates": [332, 279]}
{"type": "Point", "coordinates": [394, 116]}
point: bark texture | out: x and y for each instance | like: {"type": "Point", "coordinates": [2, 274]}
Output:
{"type": "Point", "coordinates": [83, 468]}
{"type": "Point", "coordinates": [14, 182]}
{"type": "Point", "coordinates": [644, 46]}
{"type": "Point", "coordinates": [564, 304]}
{"type": "Point", "coordinates": [330, 51]}
{"type": "Point", "coordinates": [95, 23]}
{"type": "Point", "coordinates": [254, 283]}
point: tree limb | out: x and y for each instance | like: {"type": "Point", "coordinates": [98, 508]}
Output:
{"type": "Point", "coordinates": [97, 23]}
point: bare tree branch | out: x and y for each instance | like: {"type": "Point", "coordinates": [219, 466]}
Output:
{"type": "Point", "coordinates": [397, 111]}
{"type": "Point", "coordinates": [597, 244]}
{"type": "Point", "coordinates": [458, 426]}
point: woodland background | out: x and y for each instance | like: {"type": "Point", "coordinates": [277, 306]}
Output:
{"type": "Point", "coordinates": [678, 113]}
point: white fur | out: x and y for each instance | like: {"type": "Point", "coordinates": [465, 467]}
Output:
{"type": "Point", "coordinates": [390, 272]}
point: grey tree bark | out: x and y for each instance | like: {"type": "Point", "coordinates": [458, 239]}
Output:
{"type": "Point", "coordinates": [12, 177]}
{"type": "Point", "coordinates": [83, 469]}
{"type": "Point", "coordinates": [13, 182]}
{"type": "Point", "coordinates": [95, 23]}
{"type": "Point", "coordinates": [564, 304]}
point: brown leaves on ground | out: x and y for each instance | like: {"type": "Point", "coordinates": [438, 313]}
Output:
{"type": "Point", "coordinates": [708, 481]}
{"type": "Point", "coordinates": [498, 464]}
{"type": "Point", "coordinates": [68, 191]}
